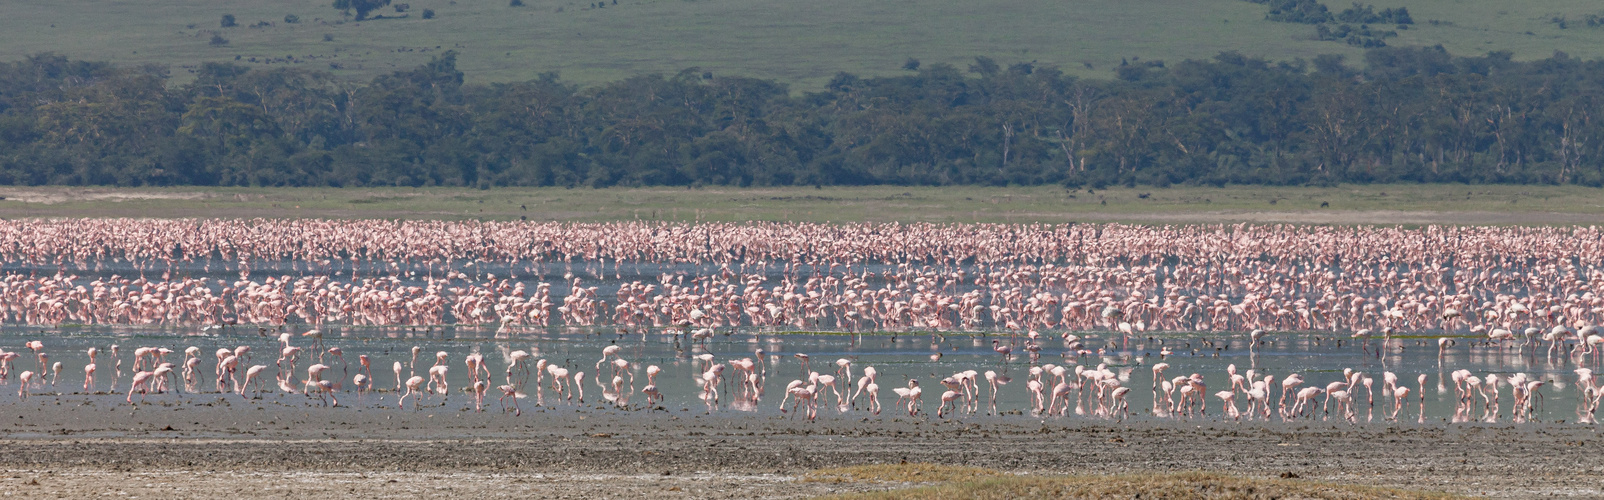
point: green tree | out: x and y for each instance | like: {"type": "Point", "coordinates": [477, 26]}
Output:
{"type": "Point", "coordinates": [984, 66]}
{"type": "Point", "coordinates": [362, 7]}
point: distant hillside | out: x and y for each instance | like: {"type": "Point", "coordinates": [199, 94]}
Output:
{"type": "Point", "coordinates": [798, 43]}
{"type": "Point", "coordinates": [1412, 115]}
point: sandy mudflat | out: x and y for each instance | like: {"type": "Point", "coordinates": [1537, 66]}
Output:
{"type": "Point", "coordinates": [205, 445]}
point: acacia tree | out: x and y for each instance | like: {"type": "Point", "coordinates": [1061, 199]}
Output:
{"type": "Point", "coordinates": [362, 7]}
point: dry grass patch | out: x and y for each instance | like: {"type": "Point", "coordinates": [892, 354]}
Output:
{"type": "Point", "coordinates": [900, 473]}
{"type": "Point", "coordinates": [1383, 204]}
{"type": "Point", "coordinates": [1188, 485]}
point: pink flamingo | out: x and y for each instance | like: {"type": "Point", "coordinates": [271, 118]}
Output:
{"type": "Point", "coordinates": [413, 384]}
{"type": "Point", "coordinates": [509, 391]}
{"type": "Point", "coordinates": [140, 383]}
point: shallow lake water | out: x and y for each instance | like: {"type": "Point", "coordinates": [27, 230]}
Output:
{"type": "Point", "coordinates": [897, 358]}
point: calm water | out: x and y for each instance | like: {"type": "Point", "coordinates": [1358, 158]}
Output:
{"type": "Point", "coordinates": [896, 357]}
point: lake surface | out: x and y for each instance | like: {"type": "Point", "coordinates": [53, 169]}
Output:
{"type": "Point", "coordinates": [897, 358]}
{"type": "Point", "coordinates": [912, 352]}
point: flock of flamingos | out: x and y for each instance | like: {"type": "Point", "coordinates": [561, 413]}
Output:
{"type": "Point", "coordinates": [1032, 288]}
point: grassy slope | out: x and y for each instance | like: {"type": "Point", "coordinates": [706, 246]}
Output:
{"type": "Point", "coordinates": [1384, 204]}
{"type": "Point", "coordinates": [801, 43]}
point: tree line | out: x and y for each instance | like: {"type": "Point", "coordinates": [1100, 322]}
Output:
{"type": "Point", "coordinates": [1409, 115]}
{"type": "Point", "coordinates": [1340, 26]}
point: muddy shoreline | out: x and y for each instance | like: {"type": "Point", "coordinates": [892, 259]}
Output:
{"type": "Point", "coordinates": [104, 442]}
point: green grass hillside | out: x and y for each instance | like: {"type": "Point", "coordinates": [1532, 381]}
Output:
{"type": "Point", "coordinates": [799, 43]}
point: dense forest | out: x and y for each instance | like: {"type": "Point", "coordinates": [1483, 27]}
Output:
{"type": "Point", "coordinates": [1410, 114]}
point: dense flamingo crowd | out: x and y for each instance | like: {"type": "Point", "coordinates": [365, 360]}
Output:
{"type": "Point", "coordinates": [1509, 286]}
{"type": "Point", "coordinates": [801, 276]}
